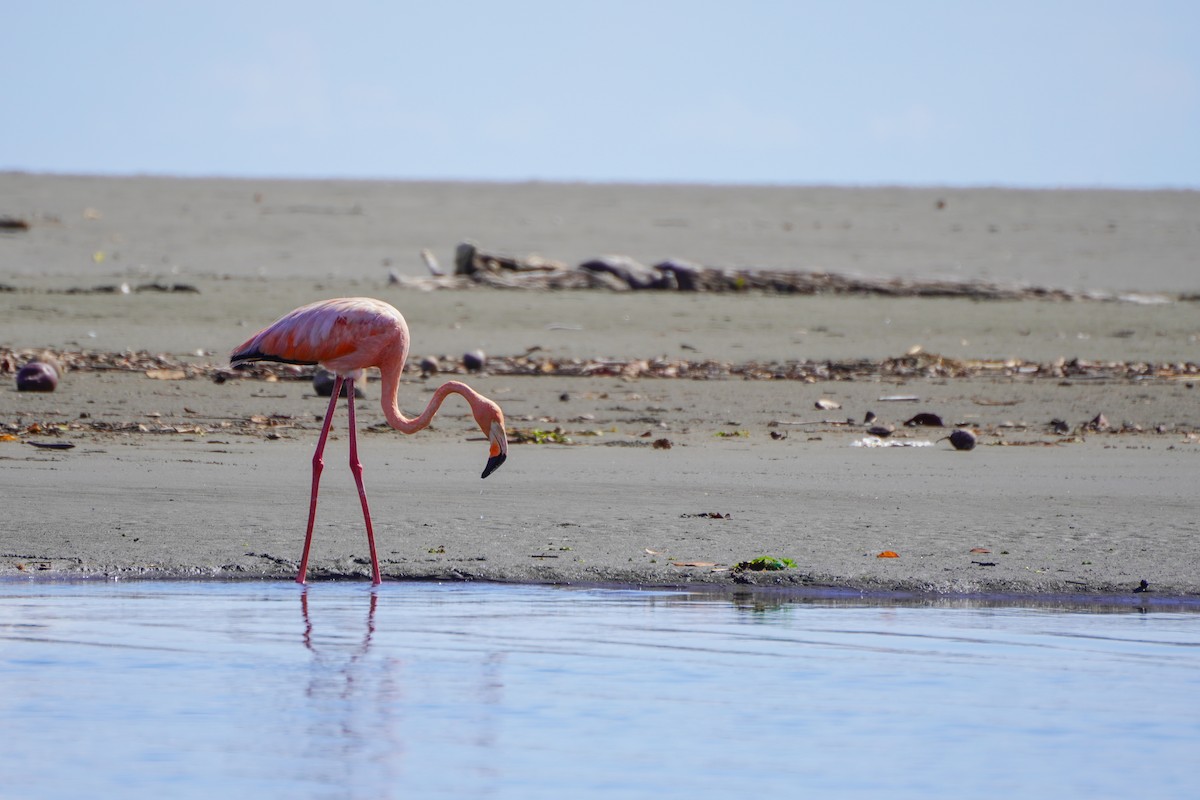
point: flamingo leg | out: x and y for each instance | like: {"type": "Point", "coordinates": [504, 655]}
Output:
{"type": "Point", "coordinates": [356, 469]}
{"type": "Point", "coordinates": [318, 463]}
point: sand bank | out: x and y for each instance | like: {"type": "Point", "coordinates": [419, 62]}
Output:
{"type": "Point", "coordinates": [177, 475]}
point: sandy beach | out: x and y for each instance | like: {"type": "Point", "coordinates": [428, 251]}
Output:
{"type": "Point", "coordinates": [1083, 482]}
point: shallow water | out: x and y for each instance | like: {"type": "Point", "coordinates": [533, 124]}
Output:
{"type": "Point", "coordinates": [420, 690]}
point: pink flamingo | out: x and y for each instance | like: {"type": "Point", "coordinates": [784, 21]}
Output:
{"type": "Point", "coordinates": [346, 336]}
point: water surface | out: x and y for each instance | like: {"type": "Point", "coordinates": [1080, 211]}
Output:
{"type": "Point", "coordinates": [419, 690]}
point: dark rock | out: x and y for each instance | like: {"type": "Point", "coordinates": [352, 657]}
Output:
{"type": "Point", "coordinates": [464, 259]}
{"type": "Point", "coordinates": [37, 376]}
{"type": "Point", "coordinates": [323, 381]}
{"type": "Point", "coordinates": [474, 361]}
{"type": "Point", "coordinates": [963, 439]}
{"type": "Point", "coordinates": [632, 273]}
{"type": "Point", "coordinates": [681, 275]}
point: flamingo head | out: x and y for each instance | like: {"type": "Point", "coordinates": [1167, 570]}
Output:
{"type": "Point", "coordinates": [490, 419]}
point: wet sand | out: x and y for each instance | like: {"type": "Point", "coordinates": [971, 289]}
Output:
{"type": "Point", "coordinates": [189, 476]}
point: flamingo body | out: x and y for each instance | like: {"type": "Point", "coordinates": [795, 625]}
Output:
{"type": "Point", "coordinates": [347, 336]}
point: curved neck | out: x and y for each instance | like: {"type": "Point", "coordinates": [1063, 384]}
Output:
{"type": "Point", "coordinates": [396, 418]}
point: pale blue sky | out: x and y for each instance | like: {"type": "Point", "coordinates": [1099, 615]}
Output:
{"type": "Point", "coordinates": [1042, 93]}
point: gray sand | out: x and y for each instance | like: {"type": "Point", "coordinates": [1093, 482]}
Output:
{"type": "Point", "coordinates": [201, 489]}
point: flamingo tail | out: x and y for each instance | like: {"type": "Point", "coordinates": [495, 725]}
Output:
{"type": "Point", "coordinates": [251, 354]}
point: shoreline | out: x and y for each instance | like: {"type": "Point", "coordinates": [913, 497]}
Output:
{"type": "Point", "coordinates": [1143, 602]}
{"type": "Point", "coordinates": [187, 506]}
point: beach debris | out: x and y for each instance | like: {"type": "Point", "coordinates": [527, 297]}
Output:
{"type": "Point", "coordinates": [431, 263]}
{"type": "Point", "coordinates": [13, 224]}
{"type": "Point", "coordinates": [925, 419]}
{"type": "Point", "coordinates": [869, 417]}
{"type": "Point", "coordinates": [124, 288]}
{"type": "Point", "coordinates": [538, 436]}
{"type": "Point", "coordinates": [888, 554]}
{"type": "Point", "coordinates": [491, 268]}
{"type": "Point", "coordinates": [984, 563]}
{"type": "Point", "coordinates": [775, 423]}
{"type": "Point", "coordinates": [925, 365]}
{"type": "Point", "coordinates": [764, 563]}
{"type": "Point", "coordinates": [464, 258]}
{"type": "Point", "coordinates": [323, 381]}
{"type": "Point", "coordinates": [901, 398]}
{"type": "Point", "coordinates": [693, 563]}
{"type": "Point", "coordinates": [875, 441]}
{"type": "Point", "coordinates": [963, 439]}
{"type": "Point", "coordinates": [52, 445]}
{"type": "Point", "coordinates": [193, 365]}
{"type": "Point", "coordinates": [430, 366]}
{"type": "Point", "coordinates": [629, 273]}
{"type": "Point", "coordinates": [684, 276]}
{"type": "Point", "coordinates": [779, 435]}
{"type": "Point", "coordinates": [621, 273]}
{"type": "Point", "coordinates": [825, 404]}
{"type": "Point", "coordinates": [706, 515]}
{"type": "Point", "coordinates": [1098, 423]}
{"type": "Point", "coordinates": [732, 434]}
{"type": "Point", "coordinates": [156, 286]}
{"type": "Point", "coordinates": [37, 376]}
{"type": "Point", "coordinates": [981, 550]}
{"type": "Point", "coordinates": [661, 444]}
{"type": "Point", "coordinates": [474, 360]}
{"type": "Point", "coordinates": [882, 431]}
{"type": "Point", "coordinates": [166, 374]}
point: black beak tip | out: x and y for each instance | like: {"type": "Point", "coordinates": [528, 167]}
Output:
{"type": "Point", "coordinates": [493, 464]}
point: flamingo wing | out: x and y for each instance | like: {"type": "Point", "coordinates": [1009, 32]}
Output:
{"type": "Point", "coordinates": [343, 335]}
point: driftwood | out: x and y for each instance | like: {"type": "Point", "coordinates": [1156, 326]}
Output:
{"type": "Point", "coordinates": [474, 267]}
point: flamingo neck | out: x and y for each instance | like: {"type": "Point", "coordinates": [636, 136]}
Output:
{"type": "Point", "coordinates": [396, 418]}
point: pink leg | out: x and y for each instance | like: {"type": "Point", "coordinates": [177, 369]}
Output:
{"type": "Point", "coordinates": [356, 468]}
{"type": "Point", "coordinates": [318, 463]}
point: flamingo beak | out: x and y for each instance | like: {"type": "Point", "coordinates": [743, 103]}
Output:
{"type": "Point", "coordinates": [493, 464]}
{"type": "Point", "coordinates": [499, 451]}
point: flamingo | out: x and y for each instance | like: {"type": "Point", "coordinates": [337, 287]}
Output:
{"type": "Point", "coordinates": [346, 336]}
